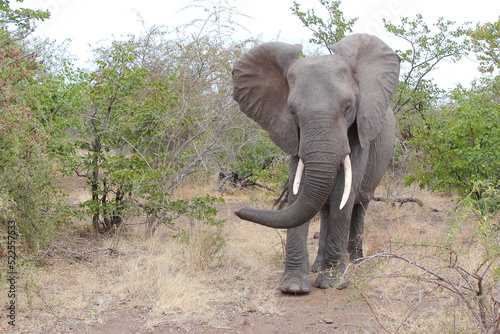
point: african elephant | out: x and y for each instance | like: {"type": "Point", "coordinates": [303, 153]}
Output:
{"type": "Point", "coordinates": [325, 111]}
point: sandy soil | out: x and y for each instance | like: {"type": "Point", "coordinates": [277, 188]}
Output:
{"type": "Point", "coordinates": [321, 311]}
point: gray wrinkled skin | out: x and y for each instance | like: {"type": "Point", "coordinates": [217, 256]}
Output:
{"type": "Point", "coordinates": [320, 109]}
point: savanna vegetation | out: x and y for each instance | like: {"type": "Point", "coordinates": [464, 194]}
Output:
{"type": "Point", "coordinates": [142, 154]}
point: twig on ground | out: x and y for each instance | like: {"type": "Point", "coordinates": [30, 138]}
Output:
{"type": "Point", "coordinates": [403, 200]}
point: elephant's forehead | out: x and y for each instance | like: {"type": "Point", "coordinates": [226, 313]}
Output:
{"type": "Point", "coordinates": [320, 79]}
{"type": "Point", "coordinates": [319, 67]}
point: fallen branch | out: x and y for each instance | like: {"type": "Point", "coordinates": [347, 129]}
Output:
{"type": "Point", "coordinates": [235, 180]}
{"type": "Point", "coordinates": [403, 200]}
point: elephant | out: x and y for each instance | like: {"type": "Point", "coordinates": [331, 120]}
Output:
{"type": "Point", "coordinates": [331, 113]}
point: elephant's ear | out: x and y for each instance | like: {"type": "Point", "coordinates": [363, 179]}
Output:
{"type": "Point", "coordinates": [376, 68]}
{"type": "Point", "coordinates": [261, 89]}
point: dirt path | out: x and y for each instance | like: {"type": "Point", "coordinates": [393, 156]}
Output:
{"type": "Point", "coordinates": [321, 311]}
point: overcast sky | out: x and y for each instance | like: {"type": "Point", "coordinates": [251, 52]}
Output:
{"type": "Point", "coordinates": [87, 22]}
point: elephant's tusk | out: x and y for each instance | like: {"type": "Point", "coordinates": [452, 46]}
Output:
{"type": "Point", "coordinates": [347, 182]}
{"type": "Point", "coordinates": [298, 177]}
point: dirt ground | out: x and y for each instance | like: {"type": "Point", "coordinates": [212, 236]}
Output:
{"type": "Point", "coordinates": [321, 311]}
{"type": "Point", "coordinates": [248, 302]}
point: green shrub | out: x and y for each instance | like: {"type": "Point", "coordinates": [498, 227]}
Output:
{"type": "Point", "coordinates": [459, 145]}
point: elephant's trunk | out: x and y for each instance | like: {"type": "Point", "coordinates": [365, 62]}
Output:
{"type": "Point", "coordinates": [347, 180]}
{"type": "Point", "coordinates": [320, 171]}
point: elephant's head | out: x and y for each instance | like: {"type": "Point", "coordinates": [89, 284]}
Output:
{"type": "Point", "coordinates": [307, 105]}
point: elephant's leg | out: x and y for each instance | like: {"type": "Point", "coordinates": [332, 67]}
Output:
{"type": "Point", "coordinates": [295, 279]}
{"type": "Point", "coordinates": [323, 232]}
{"type": "Point", "coordinates": [339, 221]}
{"type": "Point", "coordinates": [379, 156]}
{"type": "Point", "coordinates": [355, 244]}
{"type": "Point", "coordinates": [334, 252]}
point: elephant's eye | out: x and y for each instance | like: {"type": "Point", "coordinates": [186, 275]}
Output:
{"type": "Point", "coordinates": [347, 107]}
{"type": "Point", "coordinates": [291, 111]}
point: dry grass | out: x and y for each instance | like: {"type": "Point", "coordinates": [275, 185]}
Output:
{"type": "Point", "coordinates": [170, 281]}
{"type": "Point", "coordinates": [397, 292]}
{"type": "Point", "coordinates": [201, 283]}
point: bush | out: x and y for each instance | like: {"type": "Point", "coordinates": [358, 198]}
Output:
{"type": "Point", "coordinates": [29, 195]}
{"type": "Point", "coordinates": [459, 146]}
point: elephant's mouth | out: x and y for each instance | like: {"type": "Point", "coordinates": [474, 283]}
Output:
{"type": "Point", "coordinates": [347, 179]}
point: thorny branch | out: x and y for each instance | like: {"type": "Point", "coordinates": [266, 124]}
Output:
{"type": "Point", "coordinates": [487, 315]}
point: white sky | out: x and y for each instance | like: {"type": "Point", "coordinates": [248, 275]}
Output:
{"type": "Point", "coordinates": [86, 22]}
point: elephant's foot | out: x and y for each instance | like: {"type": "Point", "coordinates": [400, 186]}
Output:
{"type": "Point", "coordinates": [317, 265]}
{"type": "Point", "coordinates": [296, 284]}
{"type": "Point", "coordinates": [356, 256]}
{"type": "Point", "coordinates": [355, 259]}
{"type": "Point", "coordinates": [331, 278]}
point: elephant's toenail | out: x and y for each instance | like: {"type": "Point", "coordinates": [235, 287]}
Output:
{"type": "Point", "coordinates": [324, 284]}
{"type": "Point", "coordinates": [294, 287]}
{"type": "Point", "coordinates": [343, 285]}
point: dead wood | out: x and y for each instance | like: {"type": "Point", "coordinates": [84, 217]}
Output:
{"type": "Point", "coordinates": [403, 200]}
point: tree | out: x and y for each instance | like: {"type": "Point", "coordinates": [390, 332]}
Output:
{"type": "Point", "coordinates": [112, 93]}
{"type": "Point", "coordinates": [29, 195]}
{"type": "Point", "coordinates": [328, 31]}
{"type": "Point", "coordinates": [193, 133]}
{"type": "Point", "coordinates": [460, 146]}
{"type": "Point", "coordinates": [154, 112]}
{"type": "Point", "coordinates": [485, 41]}
{"type": "Point", "coordinates": [427, 47]}
{"type": "Point", "coordinates": [18, 24]}
{"type": "Point", "coordinates": [417, 94]}
{"type": "Point", "coordinates": [457, 143]}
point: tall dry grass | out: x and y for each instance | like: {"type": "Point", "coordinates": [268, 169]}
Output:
{"type": "Point", "coordinates": [176, 281]}
{"type": "Point", "coordinates": [202, 282]}
{"type": "Point", "coordinates": [403, 243]}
